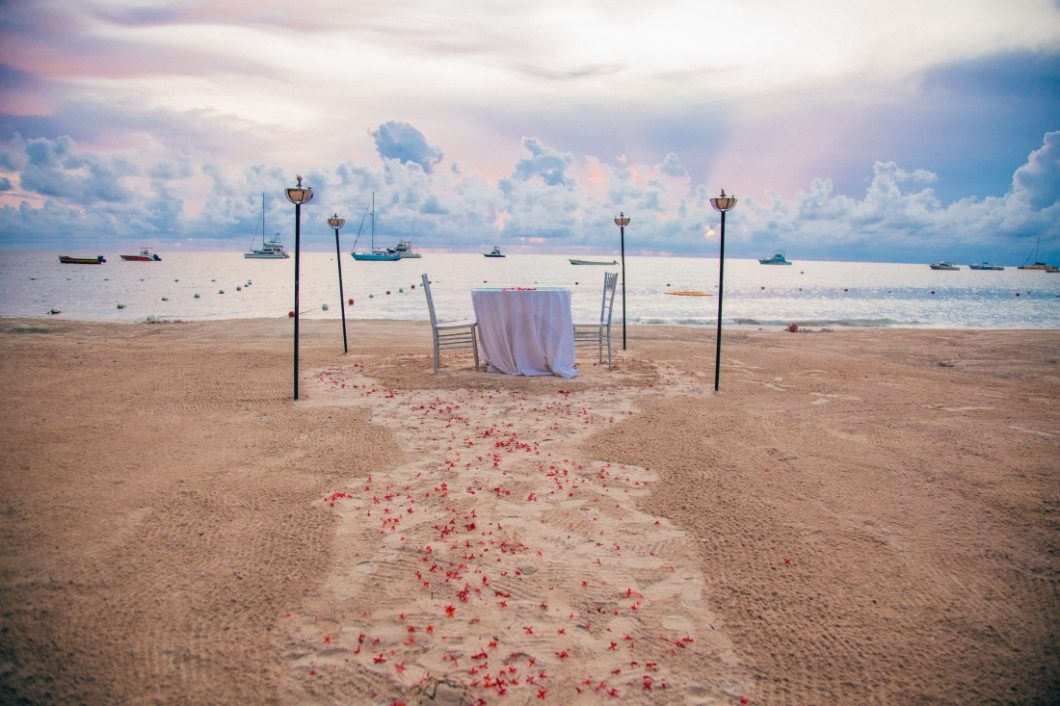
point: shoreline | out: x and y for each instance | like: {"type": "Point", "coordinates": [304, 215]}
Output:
{"type": "Point", "coordinates": [864, 516]}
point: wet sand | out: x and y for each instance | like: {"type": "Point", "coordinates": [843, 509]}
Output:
{"type": "Point", "coordinates": [858, 517]}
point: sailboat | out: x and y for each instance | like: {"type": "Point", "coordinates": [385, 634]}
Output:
{"type": "Point", "coordinates": [374, 255]}
{"type": "Point", "coordinates": [270, 249]}
{"type": "Point", "coordinates": [1038, 264]}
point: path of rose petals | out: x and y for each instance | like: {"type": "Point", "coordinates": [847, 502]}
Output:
{"type": "Point", "coordinates": [499, 565]}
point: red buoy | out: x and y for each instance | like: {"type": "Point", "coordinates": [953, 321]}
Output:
{"type": "Point", "coordinates": [290, 314]}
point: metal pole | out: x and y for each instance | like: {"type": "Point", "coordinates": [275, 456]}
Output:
{"type": "Point", "coordinates": [342, 298]}
{"type": "Point", "coordinates": [297, 255]}
{"type": "Point", "coordinates": [721, 278]}
{"type": "Point", "coordinates": [622, 242]}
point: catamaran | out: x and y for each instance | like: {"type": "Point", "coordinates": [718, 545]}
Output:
{"type": "Point", "coordinates": [270, 249]}
{"type": "Point", "coordinates": [374, 255]}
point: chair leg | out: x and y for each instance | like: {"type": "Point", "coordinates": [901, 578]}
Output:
{"type": "Point", "coordinates": [474, 346]}
{"type": "Point", "coordinates": [437, 356]}
{"type": "Point", "coordinates": [610, 363]}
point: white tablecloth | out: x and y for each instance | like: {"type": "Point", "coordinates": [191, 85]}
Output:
{"type": "Point", "coordinates": [526, 331]}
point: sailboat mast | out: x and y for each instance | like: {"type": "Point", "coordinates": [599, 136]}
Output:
{"type": "Point", "coordinates": [373, 222]}
{"type": "Point", "coordinates": [262, 219]}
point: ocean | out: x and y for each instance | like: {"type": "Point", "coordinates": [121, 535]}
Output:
{"type": "Point", "coordinates": [195, 286]}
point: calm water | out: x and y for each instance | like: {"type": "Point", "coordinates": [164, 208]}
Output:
{"type": "Point", "coordinates": [811, 293]}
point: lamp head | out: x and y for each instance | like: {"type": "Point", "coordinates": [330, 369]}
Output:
{"type": "Point", "coordinates": [621, 220]}
{"type": "Point", "coordinates": [336, 222]}
{"type": "Point", "coordinates": [299, 194]}
{"type": "Point", "coordinates": [723, 202]}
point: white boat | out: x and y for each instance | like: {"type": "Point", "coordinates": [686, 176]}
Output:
{"type": "Point", "coordinates": [404, 250]}
{"type": "Point", "coordinates": [495, 252]}
{"type": "Point", "coordinates": [985, 266]}
{"type": "Point", "coordinates": [574, 261]}
{"type": "Point", "coordinates": [777, 259]}
{"type": "Point", "coordinates": [145, 255]}
{"type": "Point", "coordinates": [374, 255]}
{"type": "Point", "coordinates": [944, 265]}
{"type": "Point", "coordinates": [270, 249]}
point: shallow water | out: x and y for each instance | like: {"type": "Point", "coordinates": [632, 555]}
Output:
{"type": "Point", "coordinates": [811, 292]}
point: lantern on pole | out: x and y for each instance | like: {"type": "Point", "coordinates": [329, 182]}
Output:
{"type": "Point", "coordinates": [721, 204]}
{"type": "Point", "coordinates": [297, 195]}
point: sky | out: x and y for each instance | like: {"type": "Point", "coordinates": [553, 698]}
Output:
{"type": "Point", "coordinates": [905, 131]}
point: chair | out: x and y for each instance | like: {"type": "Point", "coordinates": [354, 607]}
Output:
{"type": "Point", "coordinates": [449, 334]}
{"type": "Point", "coordinates": [598, 333]}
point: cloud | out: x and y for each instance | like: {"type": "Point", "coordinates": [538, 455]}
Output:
{"type": "Point", "coordinates": [545, 163]}
{"type": "Point", "coordinates": [58, 168]}
{"type": "Point", "coordinates": [55, 188]}
{"type": "Point", "coordinates": [1039, 179]}
{"type": "Point", "coordinates": [403, 142]}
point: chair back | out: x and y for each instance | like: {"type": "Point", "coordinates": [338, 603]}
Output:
{"type": "Point", "coordinates": [608, 302]}
{"type": "Point", "coordinates": [430, 301]}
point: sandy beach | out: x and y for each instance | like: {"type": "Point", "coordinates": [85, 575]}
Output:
{"type": "Point", "coordinates": [859, 517]}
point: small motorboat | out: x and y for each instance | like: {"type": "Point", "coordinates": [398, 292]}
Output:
{"type": "Point", "coordinates": [777, 259]}
{"type": "Point", "coordinates": [590, 262]}
{"type": "Point", "coordinates": [145, 256]}
{"type": "Point", "coordinates": [985, 266]}
{"type": "Point", "coordinates": [67, 260]}
{"type": "Point", "coordinates": [495, 252]}
{"type": "Point", "coordinates": [944, 265]}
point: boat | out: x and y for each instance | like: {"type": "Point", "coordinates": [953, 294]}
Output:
{"type": "Point", "coordinates": [944, 265]}
{"type": "Point", "coordinates": [1038, 264]}
{"type": "Point", "coordinates": [374, 255]}
{"type": "Point", "coordinates": [145, 256]}
{"type": "Point", "coordinates": [495, 252]}
{"type": "Point", "coordinates": [67, 260]}
{"type": "Point", "coordinates": [777, 259]}
{"type": "Point", "coordinates": [574, 261]}
{"type": "Point", "coordinates": [985, 266]}
{"type": "Point", "coordinates": [270, 249]}
{"type": "Point", "coordinates": [404, 250]}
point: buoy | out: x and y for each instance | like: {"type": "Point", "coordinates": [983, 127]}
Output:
{"type": "Point", "coordinates": [196, 295]}
{"type": "Point", "coordinates": [220, 291]}
{"type": "Point", "coordinates": [793, 327]}
{"type": "Point", "coordinates": [371, 296]}
{"type": "Point", "coordinates": [238, 288]}
{"type": "Point", "coordinates": [165, 299]}
{"type": "Point", "coordinates": [388, 292]}
{"type": "Point", "coordinates": [1017, 294]}
{"type": "Point", "coordinates": [412, 286]}
{"type": "Point", "coordinates": [350, 301]}
{"type": "Point", "coordinates": [290, 314]}
{"type": "Point", "coordinates": [324, 307]}
{"type": "Point", "coordinates": [121, 306]}
{"type": "Point", "coordinates": [401, 290]}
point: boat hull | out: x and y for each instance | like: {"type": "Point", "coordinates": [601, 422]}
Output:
{"type": "Point", "coordinates": [67, 260]}
{"type": "Point", "coordinates": [376, 256]}
{"type": "Point", "coordinates": [590, 262]}
{"type": "Point", "coordinates": [985, 266]}
{"type": "Point", "coordinates": [141, 258]}
{"type": "Point", "coordinates": [265, 256]}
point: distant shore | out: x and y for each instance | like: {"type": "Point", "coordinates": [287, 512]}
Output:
{"type": "Point", "coordinates": [858, 516]}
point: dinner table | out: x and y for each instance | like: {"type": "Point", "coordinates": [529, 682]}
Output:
{"type": "Point", "coordinates": [526, 330]}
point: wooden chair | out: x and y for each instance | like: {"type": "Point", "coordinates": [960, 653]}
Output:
{"type": "Point", "coordinates": [598, 333]}
{"type": "Point", "coordinates": [449, 334]}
